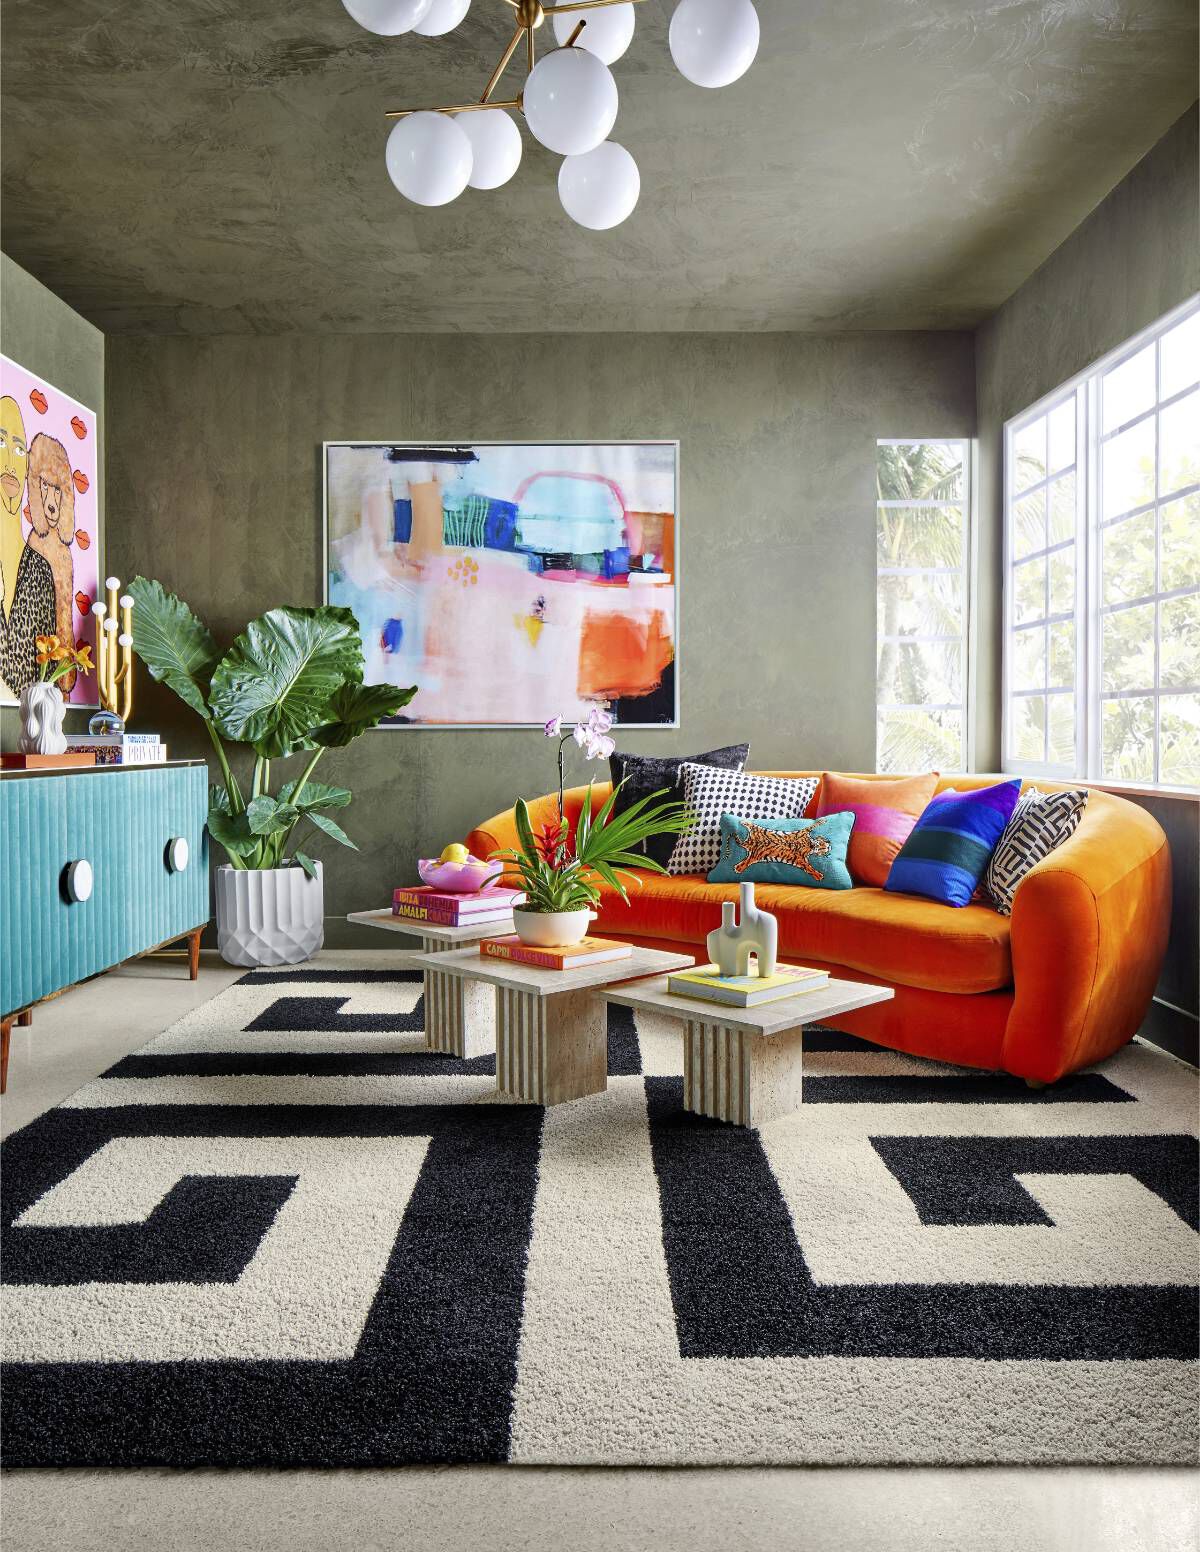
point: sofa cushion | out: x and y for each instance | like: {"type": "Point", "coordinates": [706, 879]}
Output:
{"type": "Point", "coordinates": [945, 856]}
{"type": "Point", "coordinates": [645, 774]}
{"type": "Point", "coordinates": [884, 815]}
{"type": "Point", "coordinates": [807, 853]}
{"type": "Point", "coordinates": [899, 938]}
{"type": "Point", "coordinates": [710, 793]}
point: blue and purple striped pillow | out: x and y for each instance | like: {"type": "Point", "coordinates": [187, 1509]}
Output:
{"type": "Point", "coordinates": [952, 842]}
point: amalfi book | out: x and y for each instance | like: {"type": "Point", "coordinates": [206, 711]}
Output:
{"type": "Point", "coordinates": [422, 903]}
{"type": "Point", "coordinates": [744, 991]}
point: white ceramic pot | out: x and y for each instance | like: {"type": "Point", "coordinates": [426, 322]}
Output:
{"type": "Point", "coordinates": [552, 929]}
{"type": "Point", "coordinates": [42, 709]}
{"type": "Point", "coordinates": [269, 916]}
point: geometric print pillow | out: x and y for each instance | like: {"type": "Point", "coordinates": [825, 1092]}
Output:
{"type": "Point", "coordinates": [708, 793]}
{"type": "Point", "coordinates": [1040, 822]}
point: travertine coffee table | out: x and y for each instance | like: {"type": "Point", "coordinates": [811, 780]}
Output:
{"type": "Point", "coordinates": [744, 1065]}
{"type": "Point", "coordinates": [460, 1015]}
{"type": "Point", "coordinates": [551, 1025]}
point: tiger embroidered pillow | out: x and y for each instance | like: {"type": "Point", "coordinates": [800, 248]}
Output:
{"type": "Point", "coordinates": [808, 852]}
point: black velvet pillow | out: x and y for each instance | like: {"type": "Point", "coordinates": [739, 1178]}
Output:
{"type": "Point", "coordinates": [644, 774]}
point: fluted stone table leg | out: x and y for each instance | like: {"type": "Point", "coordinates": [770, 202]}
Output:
{"type": "Point", "coordinates": [460, 1014]}
{"type": "Point", "coordinates": [550, 1048]}
{"type": "Point", "coordinates": [738, 1076]}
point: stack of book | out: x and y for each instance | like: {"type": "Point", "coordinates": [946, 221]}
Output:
{"type": "Point", "coordinates": [744, 991]}
{"type": "Point", "coordinates": [592, 951]}
{"type": "Point", "coordinates": [423, 903]}
{"type": "Point", "coordinates": [119, 748]}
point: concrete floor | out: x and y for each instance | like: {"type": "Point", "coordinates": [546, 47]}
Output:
{"type": "Point", "coordinates": [1039, 1509]}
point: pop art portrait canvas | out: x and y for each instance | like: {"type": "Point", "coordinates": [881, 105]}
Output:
{"type": "Point", "coordinates": [49, 556]}
{"type": "Point", "coordinates": [511, 582]}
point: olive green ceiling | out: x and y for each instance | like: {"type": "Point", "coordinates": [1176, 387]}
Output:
{"type": "Point", "coordinates": [193, 166]}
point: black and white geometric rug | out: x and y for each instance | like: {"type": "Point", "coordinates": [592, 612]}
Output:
{"type": "Point", "coordinates": [282, 1233]}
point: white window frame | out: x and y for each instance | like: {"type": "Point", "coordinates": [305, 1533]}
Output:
{"type": "Point", "coordinates": [966, 573]}
{"type": "Point", "coordinates": [1087, 385]}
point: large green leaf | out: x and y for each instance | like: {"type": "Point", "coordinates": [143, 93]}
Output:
{"type": "Point", "coordinates": [333, 829]}
{"type": "Point", "coordinates": [175, 646]}
{"type": "Point", "coordinates": [272, 689]}
{"type": "Point", "coordinates": [315, 795]}
{"type": "Point", "coordinates": [267, 816]}
{"type": "Point", "coordinates": [233, 832]}
{"type": "Point", "coordinates": [356, 707]}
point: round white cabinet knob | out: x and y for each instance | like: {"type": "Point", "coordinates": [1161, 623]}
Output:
{"type": "Point", "coordinates": [79, 880]}
{"type": "Point", "coordinates": [177, 853]}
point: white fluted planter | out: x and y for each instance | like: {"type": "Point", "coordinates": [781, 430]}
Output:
{"type": "Point", "coordinates": [269, 916]}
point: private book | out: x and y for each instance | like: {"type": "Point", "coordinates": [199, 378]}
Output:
{"type": "Point", "coordinates": [119, 748]}
{"type": "Point", "coordinates": [592, 951]}
{"type": "Point", "coordinates": [744, 991]}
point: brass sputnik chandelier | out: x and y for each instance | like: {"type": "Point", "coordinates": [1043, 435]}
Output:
{"type": "Point", "coordinates": [568, 99]}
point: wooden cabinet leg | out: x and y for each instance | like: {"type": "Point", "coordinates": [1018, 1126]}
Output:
{"type": "Point", "coordinates": [5, 1037]}
{"type": "Point", "coordinates": [194, 953]}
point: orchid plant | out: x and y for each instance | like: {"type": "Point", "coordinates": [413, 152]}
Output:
{"type": "Point", "coordinates": [560, 867]}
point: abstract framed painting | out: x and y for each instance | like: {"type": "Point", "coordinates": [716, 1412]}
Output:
{"type": "Point", "coordinates": [49, 529]}
{"type": "Point", "coordinates": [511, 581]}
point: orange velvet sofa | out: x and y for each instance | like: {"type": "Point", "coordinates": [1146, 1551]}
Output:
{"type": "Point", "coordinates": [1063, 982]}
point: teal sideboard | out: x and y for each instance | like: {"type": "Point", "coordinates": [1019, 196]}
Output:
{"type": "Point", "coordinates": [138, 887]}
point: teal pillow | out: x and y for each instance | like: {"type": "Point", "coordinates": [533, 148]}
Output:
{"type": "Point", "coordinates": [810, 852]}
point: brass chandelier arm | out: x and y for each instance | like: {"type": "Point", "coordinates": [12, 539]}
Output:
{"type": "Point", "coordinates": [503, 65]}
{"type": "Point", "coordinates": [457, 107]}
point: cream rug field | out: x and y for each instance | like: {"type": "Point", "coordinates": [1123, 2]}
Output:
{"type": "Point", "coordinates": [283, 1233]}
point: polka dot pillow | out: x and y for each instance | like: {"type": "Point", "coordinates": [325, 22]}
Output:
{"type": "Point", "coordinates": [709, 793]}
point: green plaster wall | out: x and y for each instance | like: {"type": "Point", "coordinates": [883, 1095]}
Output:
{"type": "Point", "coordinates": [214, 474]}
{"type": "Point", "coordinates": [45, 335]}
{"type": "Point", "coordinates": [1135, 258]}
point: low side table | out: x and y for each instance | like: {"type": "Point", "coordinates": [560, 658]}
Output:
{"type": "Point", "coordinates": [744, 1065]}
{"type": "Point", "coordinates": [551, 1026]}
{"type": "Point", "coordinates": [460, 1015]}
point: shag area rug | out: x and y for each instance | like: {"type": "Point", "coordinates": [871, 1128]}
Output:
{"type": "Point", "coordinates": [284, 1233]}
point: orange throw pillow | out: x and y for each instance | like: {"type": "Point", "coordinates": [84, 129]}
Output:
{"type": "Point", "coordinates": [884, 815]}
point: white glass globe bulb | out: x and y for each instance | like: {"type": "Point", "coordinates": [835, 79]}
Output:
{"type": "Point", "coordinates": [495, 146]}
{"type": "Point", "coordinates": [600, 188]}
{"type": "Point", "coordinates": [443, 16]}
{"type": "Point", "coordinates": [112, 581]}
{"type": "Point", "coordinates": [429, 158]}
{"type": "Point", "coordinates": [389, 18]}
{"type": "Point", "coordinates": [713, 42]}
{"type": "Point", "coordinates": [608, 33]}
{"type": "Point", "coordinates": [99, 610]}
{"type": "Point", "coordinates": [570, 101]}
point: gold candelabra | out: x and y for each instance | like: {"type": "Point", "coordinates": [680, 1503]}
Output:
{"type": "Point", "coordinates": [114, 650]}
{"type": "Point", "coordinates": [530, 16]}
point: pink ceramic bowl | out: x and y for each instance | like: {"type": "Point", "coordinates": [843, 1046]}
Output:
{"type": "Point", "coordinates": [460, 878]}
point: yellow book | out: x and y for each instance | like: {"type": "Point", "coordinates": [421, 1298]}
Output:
{"type": "Point", "coordinates": [744, 991]}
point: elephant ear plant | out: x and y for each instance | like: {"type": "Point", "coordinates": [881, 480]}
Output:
{"type": "Point", "coordinates": [291, 683]}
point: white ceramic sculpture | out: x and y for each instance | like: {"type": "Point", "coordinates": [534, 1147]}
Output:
{"type": "Point", "coordinates": [730, 945]}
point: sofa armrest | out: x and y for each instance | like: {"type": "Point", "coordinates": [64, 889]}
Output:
{"type": "Point", "coordinates": [1089, 931]}
{"type": "Point", "coordinates": [499, 833]}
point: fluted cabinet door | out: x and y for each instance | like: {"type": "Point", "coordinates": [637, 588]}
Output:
{"type": "Point", "coordinates": [95, 931]}
{"type": "Point", "coordinates": [166, 898]}
{"type": "Point", "coordinates": [33, 839]}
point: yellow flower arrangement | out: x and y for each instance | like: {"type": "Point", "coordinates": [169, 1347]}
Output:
{"type": "Point", "coordinates": [55, 658]}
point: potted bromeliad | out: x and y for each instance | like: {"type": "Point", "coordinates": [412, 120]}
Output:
{"type": "Point", "coordinates": [561, 867]}
{"type": "Point", "coordinates": [290, 684]}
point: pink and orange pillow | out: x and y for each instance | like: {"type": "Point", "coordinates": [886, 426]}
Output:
{"type": "Point", "coordinates": [884, 815]}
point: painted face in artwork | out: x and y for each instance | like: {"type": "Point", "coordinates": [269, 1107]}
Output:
{"type": "Point", "coordinates": [14, 456]}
